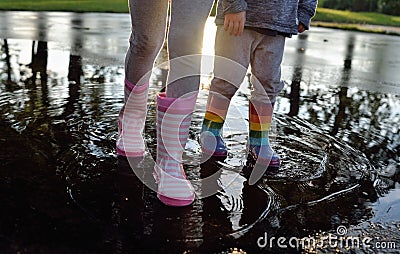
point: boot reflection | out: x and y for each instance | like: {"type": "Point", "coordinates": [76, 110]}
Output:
{"type": "Point", "coordinates": [236, 207]}
{"type": "Point", "coordinates": [126, 225]}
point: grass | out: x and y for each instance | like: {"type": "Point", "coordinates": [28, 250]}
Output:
{"type": "Point", "coordinates": [120, 6]}
{"type": "Point", "coordinates": [354, 27]}
{"type": "Point", "coordinates": [348, 17]}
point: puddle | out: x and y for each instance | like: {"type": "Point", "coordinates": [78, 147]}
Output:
{"type": "Point", "coordinates": [63, 189]}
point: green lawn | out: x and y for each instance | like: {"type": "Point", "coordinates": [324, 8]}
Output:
{"type": "Point", "coordinates": [323, 14]}
{"type": "Point", "coordinates": [66, 5]}
{"type": "Point", "coordinates": [371, 18]}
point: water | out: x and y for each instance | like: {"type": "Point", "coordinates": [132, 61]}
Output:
{"type": "Point", "coordinates": [64, 190]}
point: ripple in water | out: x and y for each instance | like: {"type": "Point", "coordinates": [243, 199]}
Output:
{"type": "Point", "coordinates": [60, 166]}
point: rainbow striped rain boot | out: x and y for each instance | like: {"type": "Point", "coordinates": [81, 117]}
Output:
{"type": "Point", "coordinates": [211, 132]}
{"type": "Point", "coordinates": [260, 118]}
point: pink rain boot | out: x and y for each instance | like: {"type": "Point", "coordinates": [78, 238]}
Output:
{"type": "Point", "coordinates": [131, 121]}
{"type": "Point", "coordinates": [173, 122]}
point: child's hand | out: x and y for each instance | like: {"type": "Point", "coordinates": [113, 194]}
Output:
{"type": "Point", "coordinates": [301, 28]}
{"type": "Point", "coordinates": [234, 23]}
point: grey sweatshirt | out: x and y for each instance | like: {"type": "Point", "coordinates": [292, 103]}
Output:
{"type": "Point", "coordinates": [279, 15]}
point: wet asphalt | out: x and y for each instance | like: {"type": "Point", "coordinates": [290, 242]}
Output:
{"type": "Point", "coordinates": [103, 39]}
{"type": "Point", "coordinates": [94, 30]}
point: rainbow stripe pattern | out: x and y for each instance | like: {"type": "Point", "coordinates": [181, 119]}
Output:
{"type": "Point", "coordinates": [211, 137]}
{"type": "Point", "coordinates": [260, 118]}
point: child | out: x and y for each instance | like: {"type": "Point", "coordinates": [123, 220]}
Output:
{"type": "Point", "coordinates": [174, 107]}
{"type": "Point", "coordinates": [251, 32]}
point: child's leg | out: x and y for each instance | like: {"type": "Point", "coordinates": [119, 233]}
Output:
{"type": "Point", "coordinates": [266, 68]}
{"type": "Point", "coordinates": [230, 67]}
{"type": "Point", "coordinates": [214, 118]}
{"type": "Point", "coordinates": [266, 80]}
{"type": "Point", "coordinates": [148, 19]}
{"type": "Point", "coordinates": [175, 107]}
{"type": "Point", "coordinates": [185, 42]}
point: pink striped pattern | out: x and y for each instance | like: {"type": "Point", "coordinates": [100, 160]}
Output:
{"type": "Point", "coordinates": [131, 121]}
{"type": "Point", "coordinates": [173, 122]}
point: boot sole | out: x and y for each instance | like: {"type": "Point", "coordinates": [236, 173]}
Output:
{"type": "Point", "coordinates": [129, 154]}
{"type": "Point", "coordinates": [175, 202]}
{"type": "Point", "coordinates": [216, 154]}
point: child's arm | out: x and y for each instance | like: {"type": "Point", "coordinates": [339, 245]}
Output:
{"type": "Point", "coordinates": [235, 16]}
{"type": "Point", "coordinates": [306, 12]}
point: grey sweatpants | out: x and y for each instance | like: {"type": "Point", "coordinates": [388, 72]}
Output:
{"type": "Point", "coordinates": [234, 54]}
{"type": "Point", "coordinates": [185, 36]}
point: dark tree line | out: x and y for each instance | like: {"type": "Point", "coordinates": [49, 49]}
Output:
{"type": "Point", "coordinates": [391, 7]}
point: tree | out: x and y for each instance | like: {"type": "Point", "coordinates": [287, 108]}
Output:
{"type": "Point", "coordinates": [353, 5]}
{"type": "Point", "coordinates": [365, 5]}
{"type": "Point", "coordinates": [391, 7]}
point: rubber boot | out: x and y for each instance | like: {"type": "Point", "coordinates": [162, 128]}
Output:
{"type": "Point", "coordinates": [173, 122]}
{"type": "Point", "coordinates": [260, 117]}
{"type": "Point", "coordinates": [211, 132]}
{"type": "Point", "coordinates": [131, 121]}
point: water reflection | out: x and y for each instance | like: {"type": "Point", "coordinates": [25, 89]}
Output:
{"type": "Point", "coordinates": [339, 142]}
{"type": "Point", "coordinates": [297, 76]}
{"type": "Point", "coordinates": [342, 94]}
